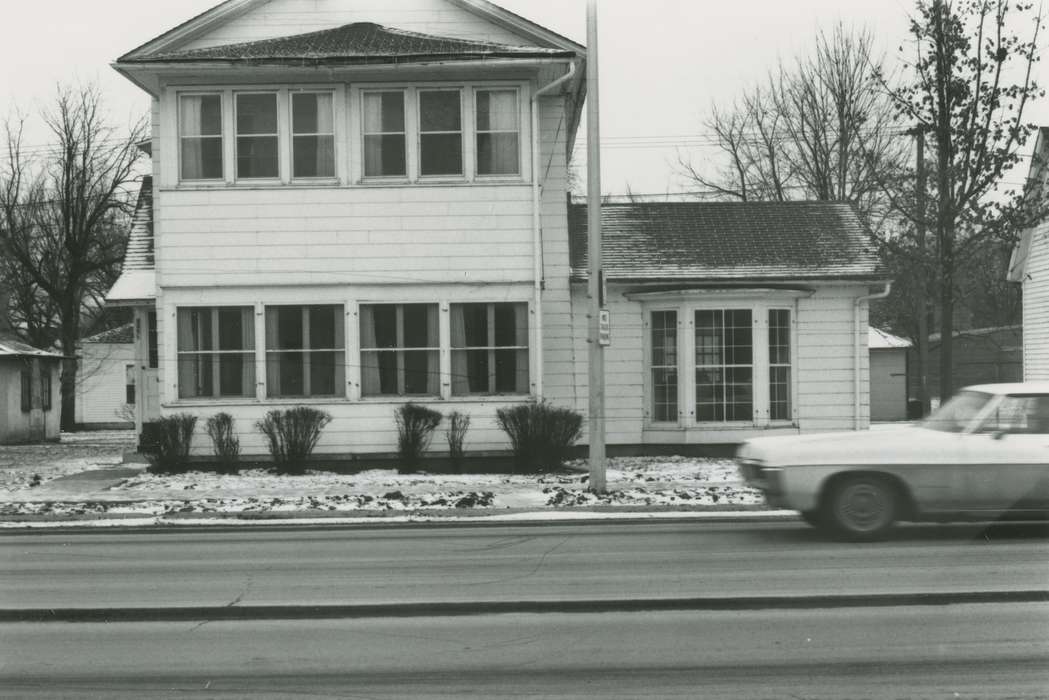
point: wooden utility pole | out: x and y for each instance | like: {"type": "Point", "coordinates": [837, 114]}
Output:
{"type": "Point", "coordinates": [923, 307]}
{"type": "Point", "coordinates": [596, 277]}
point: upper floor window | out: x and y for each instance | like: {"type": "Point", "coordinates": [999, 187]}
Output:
{"type": "Point", "coordinates": [440, 132]}
{"type": "Point", "coordinates": [257, 136]}
{"type": "Point", "coordinates": [498, 133]}
{"type": "Point", "coordinates": [313, 135]}
{"type": "Point", "coordinates": [200, 137]}
{"type": "Point", "coordinates": [385, 148]}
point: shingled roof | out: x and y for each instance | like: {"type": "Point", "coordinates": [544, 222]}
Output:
{"type": "Point", "coordinates": [119, 335]}
{"type": "Point", "coordinates": [137, 279]}
{"type": "Point", "coordinates": [360, 42]}
{"type": "Point", "coordinates": [727, 241]}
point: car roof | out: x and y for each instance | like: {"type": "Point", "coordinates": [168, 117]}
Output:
{"type": "Point", "coordinates": [1039, 387]}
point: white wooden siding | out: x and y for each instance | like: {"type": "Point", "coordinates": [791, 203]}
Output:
{"type": "Point", "coordinates": [1036, 307]}
{"type": "Point", "coordinates": [101, 384]}
{"type": "Point", "coordinates": [286, 17]}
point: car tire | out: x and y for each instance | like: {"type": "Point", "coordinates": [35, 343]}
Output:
{"type": "Point", "coordinates": [861, 508]}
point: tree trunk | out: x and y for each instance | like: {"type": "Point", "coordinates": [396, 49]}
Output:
{"type": "Point", "coordinates": [947, 313]}
{"type": "Point", "coordinates": [70, 335]}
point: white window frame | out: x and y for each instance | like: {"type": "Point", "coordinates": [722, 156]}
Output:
{"type": "Point", "coordinates": [477, 90]}
{"type": "Point", "coordinates": [362, 96]}
{"type": "Point", "coordinates": [281, 160]}
{"type": "Point", "coordinates": [686, 368]}
{"type": "Point", "coordinates": [306, 351]}
{"type": "Point", "coordinates": [179, 137]}
{"type": "Point", "coordinates": [463, 133]}
{"type": "Point", "coordinates": [313, 179]}
{"type": "Point", "coordinates": [491, 348]}
{"type": "Point", "coordinates": [650, 391]}
{"type": "Point", "coordinates": [401, 349]}
{"type": "Point", "coordinates": [254, 353]}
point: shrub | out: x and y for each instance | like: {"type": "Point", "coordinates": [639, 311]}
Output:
{"type": "Point", "coordinates": [415, 426]}
{"type": "Point", "coordinates": [292, 435]}
{"type": "Point", "coordinates": [225, 441]}
{"type": "Point", "coordinates": [171, 441]}
{"type": "Point", "coordinates": [540, 434]}
{"type": "Point", "coordinates": [458, 424]}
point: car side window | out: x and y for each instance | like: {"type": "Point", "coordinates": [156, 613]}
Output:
{"type": "Point", "coordinates": [1020, 414]}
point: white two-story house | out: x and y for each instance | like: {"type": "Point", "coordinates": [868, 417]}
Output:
{"type": "Point", "coordinates": [356, 204]}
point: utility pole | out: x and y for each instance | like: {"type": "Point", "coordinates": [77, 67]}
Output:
{"type": "Point", "coordinates": [596, 280]}
{"type": "Point", "coordinates": [923, 309]}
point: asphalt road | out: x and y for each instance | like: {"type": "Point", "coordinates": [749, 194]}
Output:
{"type": "Point", "coordinates": [949, 652]}
{"type": "Point", "coordinates": [550, 563]}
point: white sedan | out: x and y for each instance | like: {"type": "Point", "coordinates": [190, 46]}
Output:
{"type": "Point", "coordinates": [982, 455]}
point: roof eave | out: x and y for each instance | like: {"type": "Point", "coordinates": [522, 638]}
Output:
{"type": "Point", "coordinates": [193, 27]}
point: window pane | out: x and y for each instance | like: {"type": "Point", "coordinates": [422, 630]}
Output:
{"type": "Point", "coordinates": [379, 326]}
{"type": "Point", "coordinates": [256, 114]}
{"type": "Point", "coordinates": [441, 154]}
{"type": "Point", "coordinates": [417, 330]}
{"type": "Point", "coordinates": [314, 156]}
{"type": "Point", "coordinates": [440, 111]}
{"type": "Point", "coordinates": [236, 329]}
{"type": "Point", "coordinates": [200, 115]}
{"type": "Point", "coordinates": [664, 366]}
{"type": "Point", "coordinates": [312, 113]}
{"type": "Point", "coordinates": [323, 325]}
{"type": "Point", "coordinates": [779, 393]}
{"type": "Point", "coordinates": [325, 373]}
{"type": "Point", "coordinates": [387, 369]}
{"type": "Point", "coordinates": [257, 157]}
{"type": "Point", "coordinates": [498, 154]}
{"type": "Point", "coordinates": [236, 375]}
{"type": "Point", "coordinates": [664, 395]}
{"type": "Point", "coordinates": [289, 328]}
{"type": "Point", "coordinates": [384, 156]}
{"type": "Point", "coordinates": [497, 110]}
{"type": "Point", "coordinates": [475, 325]}
{"type": "Point", "coordinates": [418, 366]}
{"type": "Point", "coordinates": [202, 158]}
{"type": "Point", "coordinates": [383, 112]}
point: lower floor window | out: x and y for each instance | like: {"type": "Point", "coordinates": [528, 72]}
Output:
{"type": "Point", "coordinates": [27, 390]}
{"type": "Point", "coordinates": [304, 351]}
{"type": "Point", "coordinates": [489, 349]}
{"type": "Point", "coordinates": [216, 352]}
{"type": "Point", "coordinates": [724, 371]}
{"type": "Point", "coordinates": [400, 350]}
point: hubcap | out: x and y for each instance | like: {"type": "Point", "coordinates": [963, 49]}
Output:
{"type": "Point", "coordinates": [864, 507]}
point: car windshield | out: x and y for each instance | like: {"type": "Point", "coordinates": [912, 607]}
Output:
{"type": "Point", "coordinates": [957, 414]}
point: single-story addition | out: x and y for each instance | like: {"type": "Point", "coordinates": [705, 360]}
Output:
{"type": "Point", "coordinates": [106, 381]}
{"type": "Point", "coordinates": [29, 408]}
{"type": "Point", "coordinates": [889, 382]}
{"type": "Point", "coordinates": [729, 319]}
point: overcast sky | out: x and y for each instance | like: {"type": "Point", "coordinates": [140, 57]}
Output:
{"type": "Point", "coordinates": [663, 62]}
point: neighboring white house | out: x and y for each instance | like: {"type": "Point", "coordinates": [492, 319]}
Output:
{"type": "Point", "coordinates": [359, 204]}
{"type": "Point", "coordinates": [888, 378]}
{"type": "Point", "coordinates": [1030, 267]}
{"type": "Point", "coordinates": [106, 390]}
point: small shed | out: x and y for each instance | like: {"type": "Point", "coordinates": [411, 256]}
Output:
{"type": "Point", "coordinates": [888, 356]}
{"type": "Point", "coordinates": [106, 382]}
{"type": "Point", "coordinates": [30, 409]}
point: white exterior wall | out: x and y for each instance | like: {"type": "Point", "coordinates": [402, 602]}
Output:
{"type": "Point", "coordinates": [1036, 307]}
{"type": "Point", "coordinates": [287, 17]}
{"type": "Point", "coordinates": [101, 383]}
{"type": "Point", "coordinates": [822, 368]}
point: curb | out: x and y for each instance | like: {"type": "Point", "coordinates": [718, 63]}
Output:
{"type": "Point", "coordinates": [459, 609]}
{"type": "Point", "coordinates": [328, 519]}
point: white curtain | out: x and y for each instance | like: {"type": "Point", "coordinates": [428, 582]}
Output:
{"type": "Point", "coordinates": [191, 124]}
{"type": "Point", "coordinates": [460, 364]}
{"type": "Point", "coordinates": [433, 340]}
{"type": "Point", "coordinates": [522, 385]}
{"type": "Point", "coordinates": [370, 385]}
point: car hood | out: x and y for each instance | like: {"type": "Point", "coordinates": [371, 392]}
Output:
{"type": "Point", "coordinates": [859, 447]}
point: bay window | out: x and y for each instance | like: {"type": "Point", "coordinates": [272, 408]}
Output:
{"type": "Point", "coordinates": [489, 349]}
{"type": "Point", "coordinates": [200, 137]}
{"type": "Point", "coordinates": [440, 132]}
{"type": "Point", "coordinates": [727, 365]}
{"type": "Point", "coordinates": [498, 133]}
{"type": "Point", "coordinates": [216, 352]}
{"type": "Point", "coordinates": [257, 136]}
{"type": "Point", "coordinates": [305, 353]}
{"type": "Point", "coordinates": [385, 138]}
{"type": "Point", "coordinates": [400, 350]}
{"type": "Point", "coordinates": [313, 135]}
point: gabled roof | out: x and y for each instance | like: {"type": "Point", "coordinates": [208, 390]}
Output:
{"type": "Point", "coordinates": [1037, 183]}
{"type": "Point", "coordinates": [877, 339]}
{"type": "Point", "coordinates": [118, 335]}
{"type": "Point", "coordinates": [137, 281]}
{"type": "Point", "coordinates": [231, 9]}
{"type": "Point", "coordinates": [12, 347]}
{"type": "Point", "coordinates": [727, 241]}
{"type": "Point", "coordinates": [360, 42]}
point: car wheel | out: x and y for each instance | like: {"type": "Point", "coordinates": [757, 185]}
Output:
{"type": "Point", "coordinates": [861, 507]}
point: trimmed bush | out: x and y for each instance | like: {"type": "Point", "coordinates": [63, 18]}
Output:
{"type": "Point", "coordinates": [225, 441]}
{"type": "Point", "coordinates": [171, 442]}
{"type": "Point", "coordinates": [458, 424]}
{"type": "Point", "coordinates": [541, 435]}
{"type": "Point", "coordinates": [292, 435]}
{"type": "Point", "coordinates": [415, 426]}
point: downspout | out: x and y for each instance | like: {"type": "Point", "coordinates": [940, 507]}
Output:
{"type": "Point", "coordinates": [537, 229]}
{"type": "Point", "coordinates": [856, 348]}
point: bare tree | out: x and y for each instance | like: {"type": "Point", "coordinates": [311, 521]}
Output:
{"type": "Point", "coordinates": [63, 222]}
{"type": "Point", "coordinates": [967, 88]}
{"type": "Point", "coordinates": [818, 129]}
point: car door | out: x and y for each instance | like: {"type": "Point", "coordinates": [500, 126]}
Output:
{"type": "Point", "coordinates": [1006, 459]}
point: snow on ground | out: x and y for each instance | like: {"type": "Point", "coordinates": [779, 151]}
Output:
{"type": "Point", "coordinates": [23, 466]}
{"type": "Point", "coordinates": [639, 482]}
